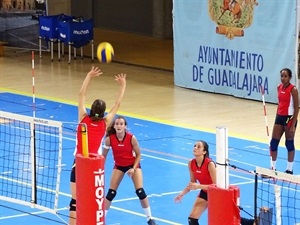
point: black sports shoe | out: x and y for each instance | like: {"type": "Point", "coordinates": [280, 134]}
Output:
{"type": "Point", "coordinates": [289, 172]}
{"type": "Point", "coordinates": [151, 222]}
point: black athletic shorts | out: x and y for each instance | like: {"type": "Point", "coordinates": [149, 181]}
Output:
{"type": "Point", "coordinates": [203, 195]}
{"type": "Point", "coordinates": [73, 175]}
{"type": "Point", "coordinates": [124, 169]}
{"type": "Point", "coordinates": [283, 120]}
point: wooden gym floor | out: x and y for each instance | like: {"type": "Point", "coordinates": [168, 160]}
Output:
{"type": "Point", "coordinates": [150, 93]}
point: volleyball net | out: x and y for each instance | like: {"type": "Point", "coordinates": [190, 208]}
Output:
{"type": "Point", "coordinates": [279, 193]}
{"type": "Point", "coordinates": [276, 194]}
{"type": "Point", "coordinates": [30, 161]}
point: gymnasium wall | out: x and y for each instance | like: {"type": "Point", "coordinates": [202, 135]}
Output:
{"type": "Point", "coordinates": [128, 15]}
{"type": "Point", "coordinates": [59, 6]}
{"type": "Point", "coordinates": [152, 17]}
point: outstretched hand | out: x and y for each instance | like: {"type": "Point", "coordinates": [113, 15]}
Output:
{"type": "Point", "coordinates": [95, 72]}
{"type": "Point", "coordinates": [121, 79]}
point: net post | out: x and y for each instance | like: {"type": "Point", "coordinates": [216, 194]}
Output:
{"type": "Point", "coordinates": [90, 193]}
{"type": "Point", "coordinates": [219, 213]}
{"type": "Point", "coordinates": [255, 196]}
{"type": "Point", "coordinates": [222, 157]}
{"type": "Point", "coordinates": [89, 185]}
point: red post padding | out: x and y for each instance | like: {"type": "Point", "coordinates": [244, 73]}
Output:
{"type": "Point", "coordinates": [90, 190]}
{"type": "Point", "coordinates": [223, 206]}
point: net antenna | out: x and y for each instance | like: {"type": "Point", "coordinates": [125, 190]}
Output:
{"type": "Point", "coordinates": [30, 164]}
{"type": "Point", "coordinates": [33, 84]}
{"type": "Point", "coordinates": [266, 122]}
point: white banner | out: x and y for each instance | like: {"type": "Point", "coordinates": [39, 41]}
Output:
{"type": "Point", "coordinates": [235, 47]}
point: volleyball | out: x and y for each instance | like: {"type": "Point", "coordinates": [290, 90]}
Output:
{"type": "Point", "coordinates": [105, 52]}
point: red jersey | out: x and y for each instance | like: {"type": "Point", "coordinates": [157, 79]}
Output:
{"type": "Point", "coordinates": [285, 100]}
{"type": "Point", "coordinates": [122, 150]}
{"type": "Point", "coordinates": [201, 173]}
{"type": "Point", "coordinates": [96, 131]}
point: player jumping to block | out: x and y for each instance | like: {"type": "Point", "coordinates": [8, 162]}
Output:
{"type": "Point", "coordinates": [96, 123]}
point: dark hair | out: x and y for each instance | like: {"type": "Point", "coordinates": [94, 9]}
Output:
{"type": "Point", "coordinates": [206, 148]}
{"type": "Point", "coordinates": [289, 72]}
{"type": "Point", "coordinates": [97, 110]}
{"type": "Point", "coordinates": [111, 130]}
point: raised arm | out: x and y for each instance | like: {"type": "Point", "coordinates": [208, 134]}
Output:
{"type": "Point", "coordinates": [121, 79]}
{"type": "Point", "coordinates": [94, 72]}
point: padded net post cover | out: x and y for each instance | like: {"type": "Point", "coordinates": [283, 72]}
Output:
{"type": "Point", "coordinates": [90, 189]}
{"type": "Point", "coordinates": [223, 206]}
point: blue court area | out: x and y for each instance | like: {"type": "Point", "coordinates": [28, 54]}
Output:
{"type": "Point", "coordinates": [166, 150]}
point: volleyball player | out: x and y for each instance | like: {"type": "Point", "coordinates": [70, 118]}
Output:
{"type": "Point", "coordinates": [203, 170]}
{"type": "Point", "coordinates": [96, 123]}
{"type": "Point", "coordinates": [286, 119]}
{"type": "Point", "coordinates": [127, 156]}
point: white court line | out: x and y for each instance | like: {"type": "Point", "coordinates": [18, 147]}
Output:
{"type": "Point", "coordinates": [117, 208]}
{"type": "Point", "coordinates": [163, 159]}
{"type": "Point", "coordinates": [134, 198]}
{"type": "Point", "coordinates": [33, 213]}
{"type": "Point", "coordinates": [142, 215]}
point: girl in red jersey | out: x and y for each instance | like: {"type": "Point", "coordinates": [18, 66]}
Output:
{"type": "Point", "coordinates": [286, 119]}
{"type": "Point", "coordinates": [127, 156]}
{"type": "Point", "coordinates": [203, 170]}
{"type": "Point", "coordinates": [96, 123]}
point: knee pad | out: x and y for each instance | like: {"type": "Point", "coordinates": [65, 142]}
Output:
{"type": "Point", "coordinates": [193, 221]}
{"type": "Point", "coordinates": [141, 193]}
{"type": "Point", "coordinates": [72, 204]}
{"type": "Point", "coordinates": [274, 145]}
{"type": "Point", "coordinates": [289, 144]}
{"type": "Point", "coordinates": [111, 194]}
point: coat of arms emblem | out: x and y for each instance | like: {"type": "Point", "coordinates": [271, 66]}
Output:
{"type": "Point", "coordinates": [232, 16]}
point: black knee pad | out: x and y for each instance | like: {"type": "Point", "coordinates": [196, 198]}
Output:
{"type": "Point", "coordinates": [111, 194]}
{"type": "Point", "coordinates": [193, 221]}
{"type": "Point", "coordinates": [72, 204]}
{"type": "Point", "coordinates": [141, 193]}
{"type": "Point", "coordinates": [290, 146]}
